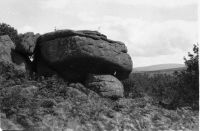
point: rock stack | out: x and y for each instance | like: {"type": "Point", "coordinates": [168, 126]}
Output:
{"type": "Point", "coordinates": [82, 56]}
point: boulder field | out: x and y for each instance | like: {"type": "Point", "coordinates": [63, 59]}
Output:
{"type": "Point", "coordinates": [82, 56]}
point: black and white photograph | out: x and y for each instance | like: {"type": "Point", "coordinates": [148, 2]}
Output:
{"type": "Point", "coordinates": [99, 65]}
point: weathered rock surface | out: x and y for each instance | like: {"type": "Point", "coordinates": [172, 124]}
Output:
{"type": "Point", "coordinates": [9, 55]}
{"type": "Point", "coordinates": [27, 44]}
{"type": "Point", "coordinates": [106, 85]}
{"type": "Point", "coordinates": [74, 54]}
{"type": "Point", "coordinates": [6, 47]}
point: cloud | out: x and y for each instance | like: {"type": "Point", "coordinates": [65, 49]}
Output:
{"type": "Point", "coordinates": [26, 28]}
{"type": "Point", "coordinates": [153, 30]}
{"type": "Point", "coordinates": [162, 38]}
{"type": "Point", "coordinates": [55, 4]}
{"type": "Point", "coordinates": [146, 38]}
{"type": "Point", "coordinates": [158, 3]}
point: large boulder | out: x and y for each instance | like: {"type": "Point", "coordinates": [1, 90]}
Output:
{"type": "Point", "coordinates": [10, 56]}
{"type": "Point", "coordinates": [106, 85]}
{"type": "Point", "coordinates": [74, 54]}
{"type": "Point", "coordinates": [27, 44]}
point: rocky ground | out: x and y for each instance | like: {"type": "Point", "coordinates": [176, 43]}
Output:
{"type": "Point", "coordinates": [51, 104]}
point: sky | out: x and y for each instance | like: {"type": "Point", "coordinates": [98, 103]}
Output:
{"type": "Point", "coordinates": [154, 31]}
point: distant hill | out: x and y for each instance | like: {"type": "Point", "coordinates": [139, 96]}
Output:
{"type": "Point", "coordinates": [161, 68]}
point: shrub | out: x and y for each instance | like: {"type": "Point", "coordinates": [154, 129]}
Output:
{"type": "Point", "coordinates": [188, 80]}
{"type": "Point", "coordinates": [136, 85]}
{"type": "Point", "coordinates": [172, 90]}
{"type": "Point", "coordinates": [6, 29]}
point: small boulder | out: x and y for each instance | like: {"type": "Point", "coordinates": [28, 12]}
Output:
{"type": "Point", "coordinates": [106, 85]}
{"type": "Point", "coordinates": [6, 47]}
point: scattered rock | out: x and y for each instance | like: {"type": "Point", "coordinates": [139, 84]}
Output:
{"type": "Point", "coordinates": [29, 91]}
{"type": "Point", "coordinates": [24, 120]}
{"type": "Point", "coordinates": [24, 91]}
{"type": "Point", "coordinates": [105, 85]}
{"type": "Point", "coordinates": [76, 93]}
{"type": "Point", "coordinates": [6, 124]}
{"type": "Point", "coordinates": [83, 89]}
